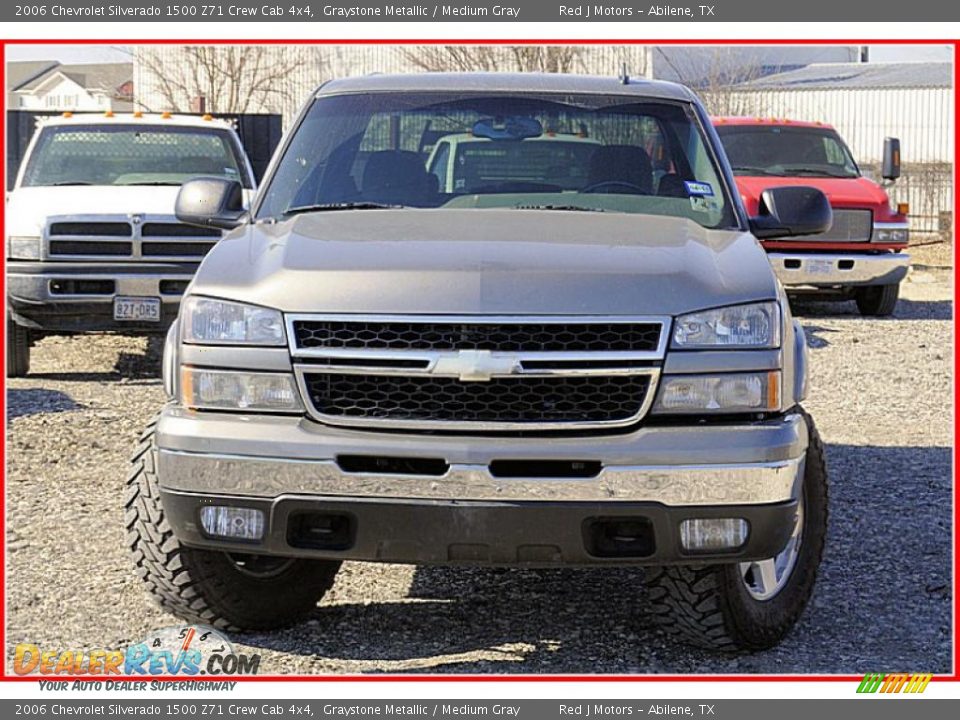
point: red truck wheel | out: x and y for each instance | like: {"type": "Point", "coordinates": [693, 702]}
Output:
{"type": "Point", "coordinates": [877, 300]}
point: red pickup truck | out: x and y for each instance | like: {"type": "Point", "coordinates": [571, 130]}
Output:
{"type": "Point", "coordinates": [861, 257]}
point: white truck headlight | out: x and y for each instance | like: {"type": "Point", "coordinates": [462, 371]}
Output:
{"type": "Point", "coordinates": [742, 327]}
{"type": "Point", "coordinates": [23, 247]}
{"type": "Point", "coordinates": [203, 389]}
{"type": "Point", "coordinates": [727, 393]}
{"type": "Point", "coordinates": [890, 234]}
{"type": "Point", "coordinates": [222, 322]}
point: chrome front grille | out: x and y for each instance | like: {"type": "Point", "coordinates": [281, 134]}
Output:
{"type": "Point", "coordinates": [502, 400]}
{"type": "Point", "coordinates": [476, 335]}
{"type": "Point", "coordinates": [126, 237]}
{"type": "Point", "coordinates": [476, 372]}
{"type": "Point", "coordinates": [848, 226]}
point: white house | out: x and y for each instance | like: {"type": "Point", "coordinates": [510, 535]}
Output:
{"type": "Point", "coordinates": [83, 87]}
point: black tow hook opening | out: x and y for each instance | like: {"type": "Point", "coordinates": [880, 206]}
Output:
{"type": "Point", "coordinates": [392, 465]}
{"type": "Point", "coordinates": [624, 537]}
{"type": "Point", "coordinates": [545, 468]}
{"type": "Point", "coordinates": [321, 531]}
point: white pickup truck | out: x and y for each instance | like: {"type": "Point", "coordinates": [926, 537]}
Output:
{"type": "Point", "coordinates": [92, 241]}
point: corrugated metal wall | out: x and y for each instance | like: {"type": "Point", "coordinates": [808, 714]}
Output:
{"type": "Point", "coordinates": [921, 117]}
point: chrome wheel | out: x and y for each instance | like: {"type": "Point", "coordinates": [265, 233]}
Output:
{"type": "Point", "coordinates": [765, 578]}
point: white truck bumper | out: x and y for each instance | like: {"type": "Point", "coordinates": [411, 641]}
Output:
{"type": "Point", "coordinates": [833, 269]}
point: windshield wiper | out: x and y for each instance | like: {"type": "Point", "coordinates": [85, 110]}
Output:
{"type": "Point", "coordinates": [327, 207]}
{"type": "Point", "coordinates": [69, 182]}
{"type": "Point", "coordinates": [572, 208]}
{"type": "Point", "coordinates": [153, 183]}
{"type": "Point", "coordinates": [817, 172]}
{"type": "Point", "coordinates": [750, 170]}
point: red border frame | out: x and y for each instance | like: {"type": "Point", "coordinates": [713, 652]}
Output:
{"type": "Point", "coordinates": [954, 677]}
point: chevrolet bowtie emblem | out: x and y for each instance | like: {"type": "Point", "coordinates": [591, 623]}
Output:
{"type": "Point", "coordinates": [476, 365]}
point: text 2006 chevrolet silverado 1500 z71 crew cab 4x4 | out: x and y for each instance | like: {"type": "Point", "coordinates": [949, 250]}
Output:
{"type": "Point", "coordinates": [861, 256]}
{"type": "Point", "coordinates": [92, 241]}
{"type": "Point", "coordinates": [550, 366]}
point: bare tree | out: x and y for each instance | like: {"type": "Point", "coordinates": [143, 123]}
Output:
{"type": "Point", "coordinates": [228, 78]}
{"type": "Point", "coordinates": [721, 80]}
{"type": "Point", "coordinates": [492, 58]}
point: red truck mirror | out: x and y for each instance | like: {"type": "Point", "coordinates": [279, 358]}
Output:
{"type": "Point", "coordinates": [891, 158]}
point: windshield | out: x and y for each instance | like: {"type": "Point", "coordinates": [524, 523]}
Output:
{"type": "Point", "coordinates": [786, 151]}
{"type": "Point", "coordinates": [528, 152]}
{"type": "Point", "coordinates": [131, 155]}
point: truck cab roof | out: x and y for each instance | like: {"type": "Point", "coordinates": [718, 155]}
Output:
{"type": "Point", "coordinates": [116, 118]}
{"type": "Point", "coordinates": [759, 121]}
{"type": "Point", "coordinates": [508, 82]}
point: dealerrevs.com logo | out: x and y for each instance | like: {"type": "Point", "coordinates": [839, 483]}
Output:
{"type": "Point", "coordinates": [189, 650]}
{"type": "Point", "coordinates": [894, 682]}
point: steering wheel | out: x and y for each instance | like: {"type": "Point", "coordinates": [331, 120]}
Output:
{"type": "Point", "coordinates": [596, 187]}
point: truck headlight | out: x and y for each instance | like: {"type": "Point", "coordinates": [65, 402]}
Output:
{"type": "Point", "coordinates": [222, 322]}
{"type": "Point", "coordinates": [23, 247]}
{"type": "Point", "coordinates": [727, 393]}
{"type": "Point", "coordinates": [890, 234]}
{"type": "Point", "coordinates": [739, 326]}
{"type": "Point", "coordinates": [204, 389]}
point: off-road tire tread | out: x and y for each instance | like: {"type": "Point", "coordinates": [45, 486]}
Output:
{"type": "Point", "coordinates": [198, 585]}
{"type": "Point", "coordinates": [690, 602]}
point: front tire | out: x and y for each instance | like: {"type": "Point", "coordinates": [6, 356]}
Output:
{"type": "Point", "coordinates": [227, 591]}
{"type": "Point", "coordinates": [18, 349]}
{"type": "Point", "coordinates": [877, 300]}
{"type": "Point", "coordinates": [729, 607]}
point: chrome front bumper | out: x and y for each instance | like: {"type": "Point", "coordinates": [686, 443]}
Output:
{"type": "Point", "coordinates": [833, 269]}
{"type": "Point", "coordinates": [31, 282]}
{"type": "Point", "coordinates": [41, 297]}
{"type": "Point", "coordinates": [270, 457]}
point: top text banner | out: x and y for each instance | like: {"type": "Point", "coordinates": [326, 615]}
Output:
{"type": "Point", "coordinates": [507, 11]}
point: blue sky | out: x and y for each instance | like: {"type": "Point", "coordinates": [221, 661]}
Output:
{"type": "Point", "coordinates": [95, 53]}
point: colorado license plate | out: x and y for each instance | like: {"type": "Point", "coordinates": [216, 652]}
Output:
{"type": "Point", "coordinates": [143, 309]}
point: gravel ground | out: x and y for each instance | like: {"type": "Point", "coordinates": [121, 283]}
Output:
{"type": "Point", "coordinates": [881, 397]}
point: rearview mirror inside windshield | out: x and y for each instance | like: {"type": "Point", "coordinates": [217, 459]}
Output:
{"type": "Point", "coordinates": [511, 128]}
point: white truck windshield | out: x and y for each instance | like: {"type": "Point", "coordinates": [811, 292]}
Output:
{"type": "Point", "coordinates": [131, 155]}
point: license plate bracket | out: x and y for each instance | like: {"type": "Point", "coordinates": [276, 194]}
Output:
{"type": "Point", "coordinates": [136, 309]}
{"type": "Point", "coordinates": [819, 267]}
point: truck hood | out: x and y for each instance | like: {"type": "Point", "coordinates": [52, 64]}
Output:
{"type": "Point", "coordinates": [842, 192]}
{"type": "Point", "coordinates": [29, 207]}
{"type": "Point", "coordinates": [486, 262]}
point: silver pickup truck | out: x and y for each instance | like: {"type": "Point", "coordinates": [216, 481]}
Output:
{"type": "Point", "coordinates": [557, 354]}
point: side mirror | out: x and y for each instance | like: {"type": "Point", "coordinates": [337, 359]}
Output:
{"type": "Point", "coordinates": [211, 202]}
{"type": "Point", "coordinates": [791, 211]}
{"type": "Point", "coordinates": [891, 158]}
